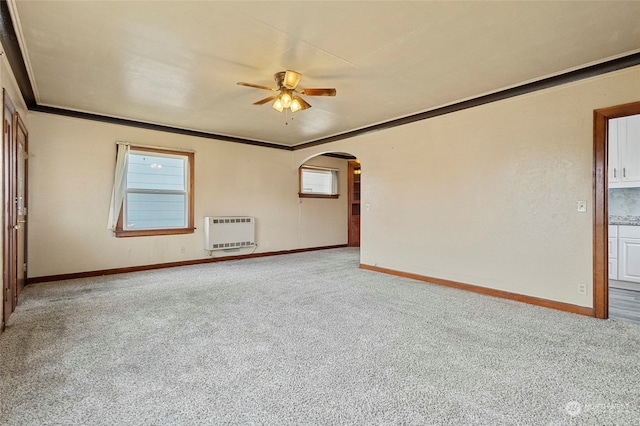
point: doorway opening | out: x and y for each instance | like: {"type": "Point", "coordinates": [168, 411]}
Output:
{"type": "Point", "coordinates": [613, 255]}
{"type": "Point", "coordinates": [347, 202]}
{"type": "Point", "coordinates": [353, 205]}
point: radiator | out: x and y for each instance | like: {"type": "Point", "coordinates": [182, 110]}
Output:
{"type": "Point", "coordinates": [229, 232]}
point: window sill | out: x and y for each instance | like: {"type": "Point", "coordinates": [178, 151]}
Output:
{"type": "Point", "coordinates": [120, 233]}
{"type": "Point", "coordinates": [305, 195]}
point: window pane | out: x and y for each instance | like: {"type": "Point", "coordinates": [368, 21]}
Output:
{"type": "Point", "coordinates": [154, 211]}
{"type": "Point", "coordinates": [317, 181]}
{"type": "Point", "coordinates": [155, 172]}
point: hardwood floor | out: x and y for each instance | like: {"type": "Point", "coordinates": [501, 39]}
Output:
{"type": "Point", "coordinates": [624, 305]}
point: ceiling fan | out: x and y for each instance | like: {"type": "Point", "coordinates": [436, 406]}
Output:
{"type": "Point", "coordinates": [288, 96]}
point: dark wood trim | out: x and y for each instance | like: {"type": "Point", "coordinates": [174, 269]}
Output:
{"type": "Point", "coordinates": [121, 233]}
{"type": "Point", "coordinates": [12, 49]}
{"type": "Point", "coordinates": [340, 156]}
{"type": "Point", "coordinates": [305, 195]}
{"type": "Point", "coordinates": [156, 127]}
{"type": "Point", "coordinates": [9, 276]}
{"type": "Point", "coordinates": [601, 118]}
{"type": "Point", "coordinates": [190, 228]}
{"type": "Point", "coordinates": [600, 218]}
{"type": "Point", "coordinates": [9, 40]}
{"type": "Point", "coordinates": [567, 307]}
{"type": "Point", "coordinates": [549, 82]}
{"type": "Point", "coordinates": [546, 83]}
{"type": "Point", "coordinates": [114, 271]}
{"type": "Point", "coordinates": [353, 220]}
{"type": "Point", "coordinates": [19, 126]}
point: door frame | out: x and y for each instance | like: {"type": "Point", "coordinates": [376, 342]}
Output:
{"type": "Point", "coordinates": [601, 119]}
{"type": "Point", "coordinates": [9, 275]}
{"type": "Point", "coordinates": [353, 202]}
{"type": "Point", "coordinates": [21, 269]}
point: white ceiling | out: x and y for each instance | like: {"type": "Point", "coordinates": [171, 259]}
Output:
{"type": "Point", "coordinates": [176, 63]}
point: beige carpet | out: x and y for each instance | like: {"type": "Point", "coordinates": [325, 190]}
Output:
{"type": "Point", "coordinates": [305, 339]}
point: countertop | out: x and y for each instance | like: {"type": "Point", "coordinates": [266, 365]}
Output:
{"type": "Point", "coordinates": [624, 220]}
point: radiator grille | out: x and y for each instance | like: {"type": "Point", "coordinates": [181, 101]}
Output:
{"type": "Point", "coordinates": [232, 220]}
{"type": "Point", "coordinates": [229, 232]}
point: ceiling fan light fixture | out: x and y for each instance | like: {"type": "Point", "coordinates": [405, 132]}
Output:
{"type": "Point", "coordinates": [291, 79]}
{"type": "Point", "coordinates": [295, 104]}
{"type": "Point", "coordinates": [277, 104]}
{"type": "Point", "coordinates": [285, 98]}
{"type": "Point", "coordinates": [287, 94]}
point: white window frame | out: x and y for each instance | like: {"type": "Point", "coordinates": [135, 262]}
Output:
{"type": "Point", "coordinates": [304, 193]}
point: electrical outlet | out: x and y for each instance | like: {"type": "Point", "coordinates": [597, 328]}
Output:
{"type": "Point", "coordinates": [582, 288]}
{"type": "Point", "coordinates": [582, 206]}
{"type": "Point", "coordinates": [182, 249]}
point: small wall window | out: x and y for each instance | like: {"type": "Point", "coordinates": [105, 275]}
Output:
{"type": "Point", "coordinates": [318, 182]}
{"type": "Point", "coordinates": [158, 193]}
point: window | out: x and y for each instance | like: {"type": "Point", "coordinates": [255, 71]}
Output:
{"type": "Point", "coordinates": [318, 182]}
{"type": "Point", "coordinates": [157, 193]}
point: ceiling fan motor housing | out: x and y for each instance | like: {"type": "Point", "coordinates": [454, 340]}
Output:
{"type": "Point", "coordinates": [279, 78]}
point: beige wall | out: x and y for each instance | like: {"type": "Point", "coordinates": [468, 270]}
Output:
{"type": "Point", "coordinates": [71, 174]}
{"type": "Point", "coordinates": [487, 196]}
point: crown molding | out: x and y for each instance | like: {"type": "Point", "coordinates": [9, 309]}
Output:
{"type": "Point", "coordinates": [9, 41]}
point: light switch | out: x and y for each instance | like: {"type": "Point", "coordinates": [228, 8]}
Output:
{"type": "Point", "coordinates": [582, 206]}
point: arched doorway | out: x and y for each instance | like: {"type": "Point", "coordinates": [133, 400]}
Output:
{"type": "Point", "coordinates": [350, 166]}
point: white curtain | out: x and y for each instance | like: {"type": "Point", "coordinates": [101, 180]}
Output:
{"type": "Point", "coordinates": [117, 194]}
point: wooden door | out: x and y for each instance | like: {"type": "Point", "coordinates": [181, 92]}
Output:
{"type": "Point", "coordinates": [14, 194]}
{"type": "Point", "coordinates": [9, 281]}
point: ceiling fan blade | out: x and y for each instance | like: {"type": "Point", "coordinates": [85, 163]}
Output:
{"type": "Point", "coordinates": [291, 79]}
{"type": "Point", "coordinates": [318, 92]}
{"type": "Point", "coordinates": [256, 86]}
{"type": "Point", "coordinates": [303, 104]}
{"type": "Point", "coordinates": [265, 100]}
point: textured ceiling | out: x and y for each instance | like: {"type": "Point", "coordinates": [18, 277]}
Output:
{"type": "Point", "coordinates": [176, 63]}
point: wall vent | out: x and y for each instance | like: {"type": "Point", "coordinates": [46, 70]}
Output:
{"type": "Point", "coordinates": [228, 232]}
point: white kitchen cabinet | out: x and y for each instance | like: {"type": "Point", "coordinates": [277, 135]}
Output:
{"type": "Point", "coordinates": [613, 252]}
{"type": "Point", "coordinates": [624, 152]}
{"type": "Point", "coordinates": [613, 154]}
{"type": "Point", "coordinates": [629, 253]}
